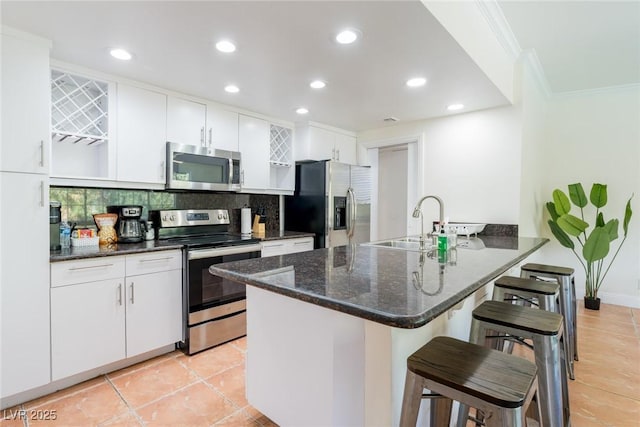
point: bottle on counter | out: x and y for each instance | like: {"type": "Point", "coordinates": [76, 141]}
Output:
{"type": "Point", "coordinates": [65, 235]}
{"type": "Point", "coordinates": [150, 232]}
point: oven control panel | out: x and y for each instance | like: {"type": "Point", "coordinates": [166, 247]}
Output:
{"type": "Point", "coordinates": [191, 217]}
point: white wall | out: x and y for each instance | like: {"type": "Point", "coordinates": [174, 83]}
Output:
{"type": "Point", "coordinates": [534, 105]}
{"type": "Point", "coordinates": [595, 137]}
{"type": "Point", "coordinates": [472, 161]}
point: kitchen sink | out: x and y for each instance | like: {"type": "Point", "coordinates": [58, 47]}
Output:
{"type": "Point", "coordinates": [404, 243]}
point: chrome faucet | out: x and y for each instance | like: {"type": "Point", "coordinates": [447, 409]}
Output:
{"type": "Point", "coordinates": [417, 213]}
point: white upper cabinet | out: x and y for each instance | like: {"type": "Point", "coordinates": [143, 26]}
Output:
{"type": "Point", "coordinates": [319, 143]}
{"type": "Point", "coordinates": [186, 121]}
{"type": "Point", "coordinates": [345, 149]}
{"type": "Point", "coordinates": [25, 103]}
{"type": "Point", "coordinates": [254, 146]}
{"type": "Point", "coordinates": [222, 128]}
{"type": "Point", "coordinates": [142, 136]}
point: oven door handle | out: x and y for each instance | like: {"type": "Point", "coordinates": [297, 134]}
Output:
{"type": "Point", "coordinates": [231, 250]}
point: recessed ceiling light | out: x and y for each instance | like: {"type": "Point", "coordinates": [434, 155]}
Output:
{"type": "Point", "coordinates": [317, 84]}
{"type": "Point", "coordinates": [454, 107]}
{"type": "Point", "coordinates": [232, 88]}
{"type": "Point", "coordinates": [225, 46]}
{"type": "Point", "coordinates": [416, 82]}
{"type": "Point", "coordinates": [347, 36]}
{"type": "Point", "coordinates": [120, 54]}
{"type": "Point", "coordinates": [302, 110]}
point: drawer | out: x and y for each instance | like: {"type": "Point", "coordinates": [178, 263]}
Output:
{"type": "Point", "coordinates": [301, 245]}
{"type": "Point", "coordinates": [87, 270]}
{"type": "Point", "coordinates": [277, 247]}
{"type": "Point", "coordinates": [287, 246]}
{"type": "Point", "coordinates": [153, 262]}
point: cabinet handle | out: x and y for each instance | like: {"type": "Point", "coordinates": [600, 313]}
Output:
{"type": "Point", "coordinates": [120, 293]}
{"type": "Point", "coordinates": [156, 259]}
{"type": "Point", "coordinates": [131, 287]}
{"type": "Point", "coordinates": [91, 266]}
{"type": "Point", "coordinates": [338, 154]}
{"type": "Point", "coordinates": [41, 153]}
{"type": "Point", "coordinates": [274, 246]}
{"type": "Point", "coordinates": [41, 193]}
{"type": "Point", "coordinates": [202, 141]}
{"type": "Point", "coordinates": [333, 153]}
{"type": "Point", "coordinates": [210, 136]}
{"type": "Point", "coordinates": [162, 170]}
{"type": "Point", "coordinates": [301, 243]}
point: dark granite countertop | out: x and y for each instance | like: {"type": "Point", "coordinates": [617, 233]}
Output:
{"type": "Point", "coordinates": [278, 235]}
{"type": "Point", "coordinates": [118, 249]}
{"type": "Point", "coordinates": [148, 246]}
{"type": "Point", "coordinates": [394, 287]}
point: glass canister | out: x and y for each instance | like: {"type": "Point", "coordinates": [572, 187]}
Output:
{"type": "Point", "coordinates": [106, 228]}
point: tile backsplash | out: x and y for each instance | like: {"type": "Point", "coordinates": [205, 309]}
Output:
{"type": "Point", "coordinates": [79, 203]}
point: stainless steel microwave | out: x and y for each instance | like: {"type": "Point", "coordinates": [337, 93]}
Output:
{"type": "Point", "coordinates": [190, 167]}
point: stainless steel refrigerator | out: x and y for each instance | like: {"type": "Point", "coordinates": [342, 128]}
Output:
{"type": "Point", "coordinates": [332, 200]}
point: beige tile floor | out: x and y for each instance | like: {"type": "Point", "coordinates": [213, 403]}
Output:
{"type": "Point", "coordinates": [208, 388]}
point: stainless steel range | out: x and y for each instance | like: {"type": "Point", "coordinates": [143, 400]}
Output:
{"type": "Point", "coordinates": [213, 307]}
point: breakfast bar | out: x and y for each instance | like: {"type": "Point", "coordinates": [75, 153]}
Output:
{"type": "Point", "coordinates": [329, 331]}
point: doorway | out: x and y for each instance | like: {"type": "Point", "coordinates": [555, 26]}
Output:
{"type": "Point", "coordinates": [392, 191]}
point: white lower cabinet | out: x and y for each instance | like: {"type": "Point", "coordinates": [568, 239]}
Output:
{"type": "Point", "coordinates": [87, 326]}
{"type": "Point", "coordinates": [154, 311]}
{"type": "Point", "coordinates": [131, 305]}
{"type": "Point", "coordinates": [286, 246]}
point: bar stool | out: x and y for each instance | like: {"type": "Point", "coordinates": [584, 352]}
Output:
{"type": "Point", "coordinates": [497, 319]}
{"type": "Point", "coordinates": [564, 277]}
{"type": "Point", "coordinates": [528, 292]}
{"type": "Point", "coordinates": [499, 384]}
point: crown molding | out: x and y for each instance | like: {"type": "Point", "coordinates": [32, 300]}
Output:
{"type": "Point", "coordinates": [496, 20]}
{"type": "Point", "coordinates": [498, 23]}
{"type": "Point", "coordinates": [597, 91]}
{"type": "Point", "coordinates": [530, 58]}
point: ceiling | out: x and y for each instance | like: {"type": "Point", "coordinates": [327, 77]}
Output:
{"type": "Point", "coordinates": [581, 45]}
{"type": "Point", "coordinates": [282, 46]}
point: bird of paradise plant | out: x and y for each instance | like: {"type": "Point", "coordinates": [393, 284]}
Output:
{"type": "Point", "coordinates": [594, 244]}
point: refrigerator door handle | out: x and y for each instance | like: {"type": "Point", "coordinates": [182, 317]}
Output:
{"type": "Point", "coordinates": [352, 214]}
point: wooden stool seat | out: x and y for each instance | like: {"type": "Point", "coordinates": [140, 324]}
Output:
{"type": "Point", "coordinates": [500, 385]}
{"type": "Point", "coordinates": [548, 269]}
{"type": "Point", "coordinates": [523, 318]}
{"type": "Point", "coordinates": [490, 375]}
{"type": "Point", "coordinates": [531, 285]}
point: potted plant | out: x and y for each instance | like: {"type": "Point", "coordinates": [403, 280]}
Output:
{"type": "Point", "coordinates": [594, 243]}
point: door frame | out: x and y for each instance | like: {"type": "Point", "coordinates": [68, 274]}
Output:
{"type": "Point", "coordinates": [415, 175]}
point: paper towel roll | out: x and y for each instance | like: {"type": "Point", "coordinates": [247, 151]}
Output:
{"type": "Point", "coordinates": [245, 221]}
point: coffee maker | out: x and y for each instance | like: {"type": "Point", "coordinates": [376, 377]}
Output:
{"type": "Point", "coordinates": [129, 226]}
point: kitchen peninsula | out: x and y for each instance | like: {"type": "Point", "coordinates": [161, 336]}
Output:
{"type": "Point", "coordinates": [329, 331]}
